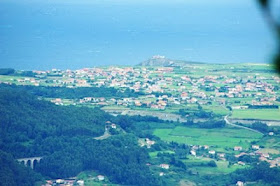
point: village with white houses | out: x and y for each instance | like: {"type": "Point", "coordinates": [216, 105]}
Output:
{"type": "Point", "coordinates": [234, 94]}
{"type": "Point", "coordinates": [161, 88]}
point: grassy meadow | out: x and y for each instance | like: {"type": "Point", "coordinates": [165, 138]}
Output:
{"type": "Point", "coordinates": [220, 138]}
{"type": "Point", "coordinates": [263, 114]}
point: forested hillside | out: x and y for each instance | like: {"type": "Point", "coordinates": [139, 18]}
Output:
{"type": "Point", "coordinates": [25, 120]}
{"type": "Point", "coordinates": [63, 135]}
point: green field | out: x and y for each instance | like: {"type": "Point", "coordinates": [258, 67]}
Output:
{"type": "Point", "coordinates": [218, 138]}
{"type": "Point", "coordinates": [154, 154]}
{"type": "Point", "coordinates": [264, 114]}
{"type": "Point", "coordinates": [7, 77]}
{"type": "Point", "coordinates": [216, 109]}
{"type": "Point", "coordinates": [270, 142]}
{"type": "Point", "coordinates": [220, 169]}
{"type": "Point", "coordinates": [222, 166]}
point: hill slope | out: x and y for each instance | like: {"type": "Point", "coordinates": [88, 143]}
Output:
{"type": "Point", "coordinates": [63, 136]}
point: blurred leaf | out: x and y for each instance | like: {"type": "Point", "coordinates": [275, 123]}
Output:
{"type": "Point", "coordinates": [263, 3]}
{"type": "Point", "coordinates": [277, 62]}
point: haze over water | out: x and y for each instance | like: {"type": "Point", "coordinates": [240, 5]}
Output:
{"type": "Point", "coordinates": [76, 34]}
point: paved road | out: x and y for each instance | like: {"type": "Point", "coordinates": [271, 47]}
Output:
{"type": "Point", "coordinates": [234, 125]}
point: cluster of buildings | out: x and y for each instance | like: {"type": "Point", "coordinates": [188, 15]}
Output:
{"type": "Point", "coordinates": [73, 181]}
{"type": "Point", "coordinates": [254, 151]}
{"type": "Point", "coordinates": [163, 86]}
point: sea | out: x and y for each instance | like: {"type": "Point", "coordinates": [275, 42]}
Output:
{"type": "Point", "coordinates": [74, 34]}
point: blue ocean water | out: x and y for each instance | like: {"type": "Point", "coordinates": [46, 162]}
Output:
{"type": "Point", "coordinates": [76, 34]}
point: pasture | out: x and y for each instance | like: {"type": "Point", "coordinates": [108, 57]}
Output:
{"type": "Point", "coordinates": [222, 166]}
{"type": "Point", "coordinates": [263, 114]}
{"type": "Point", "coordinates": [155, 153]}
{"type": "Point", "coordinates": [218, 138]}
{"type": "Point", "coordinates": [270, 142]}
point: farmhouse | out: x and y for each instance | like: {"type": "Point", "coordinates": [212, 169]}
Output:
{"type": "Point", "coordinates": [193, 152]}
{"type": "Point", "coordinates": [113, 126]}
{"type": "Point", "coordinates": [237, 148]}
{"type": "Point", "coordinates": [81, 182]}
{"type": "Point", "coordinates": [240, 183]}
{"type": "Point", "coordinates": [221, 155]}
{"type": "Point", "coordinates": [149, 142]}
{"type": "Point", "coordinates": [164, 166]}
{"type": "Point", "coordinates": [256, 147]}
{"type": "Point", "coordinates": [100, 177]}
{"type": "Point", "coordinates": [212, 152]}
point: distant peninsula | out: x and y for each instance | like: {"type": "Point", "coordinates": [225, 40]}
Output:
{"type": "Point", "coordinates": [159, 60]}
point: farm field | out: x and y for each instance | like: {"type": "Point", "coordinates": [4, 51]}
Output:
{"type": "Point", "coordinates": [263, 114]}
{"type": "Point", "coordinates": [219, 110]}
{"type": "Point", "coordinates": [220, 169]}
{"type": "Point", "coordinates": [222, 166]}
{"type": "Point", "coordinates": [218, 138]}
{"type": "Point", "coordinates": [270, 142]}
{"type": "Point", "coordinates": [9, 77]}
{"type": "Point", "coordinates": [154, 154]}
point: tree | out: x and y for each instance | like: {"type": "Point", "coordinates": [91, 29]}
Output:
{"type": "Point", "coordinates": [212, 163]}
{"type": "Point", "coordinates": [6, 71]}
{"type": "Point", "coordinates": [272, 21]}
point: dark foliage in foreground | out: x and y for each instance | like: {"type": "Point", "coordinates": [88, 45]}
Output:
{"type": "Point", "coordinates": [13, 173]}
{"type": "Point", "coordinates": [63, 135]}
{"type": "Point", "coordinates": [258, 174]}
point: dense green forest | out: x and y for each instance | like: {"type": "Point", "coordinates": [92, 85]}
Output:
{"type": "Point", "coordinates": [259, 174]}
{"type": "Point", "coordinates": [63, 135]}
{"type": "Point", "coordinates": [13, 173]}
{"type": "Point", "coordinates": [25, 119]}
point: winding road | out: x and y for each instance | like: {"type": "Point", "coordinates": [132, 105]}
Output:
{"type": "Point", "coordinates": [234, 125]}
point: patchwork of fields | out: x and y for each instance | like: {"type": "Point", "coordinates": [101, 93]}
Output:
{"type": "Point", "coordinates": [222, 166]}
{"type": "Point", "coordinates": [220, 138]}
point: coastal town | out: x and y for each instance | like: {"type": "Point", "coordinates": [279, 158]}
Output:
{"type": "Point", "coordinates": [235, 95]}
{"type": "Point", "coordinates": [169, 89]}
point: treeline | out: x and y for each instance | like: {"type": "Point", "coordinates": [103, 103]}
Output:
{"type": "Point", "coordinates": [211, 120]}
{"type": "Point", "coordinates": [7, 71]}
{"type": "Point", "coordinates": [211, 123]}
{"type": "Point", "coordinates": [199, 114]}
{"type": "Point", "coordinates": [263, 127]}
{"type": "Point", "coordinates": [263, 107]}
{"type": "Point", "coordinates": [75, 93]}
{"type": "Point", "coordinates": [258, 174]}
{"type": "Point", "coordinates": [63, 135]}
{"type": "Point", "coordinates": [13, 72]}
{"type": "Point", "coordinates": [142, 126]}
